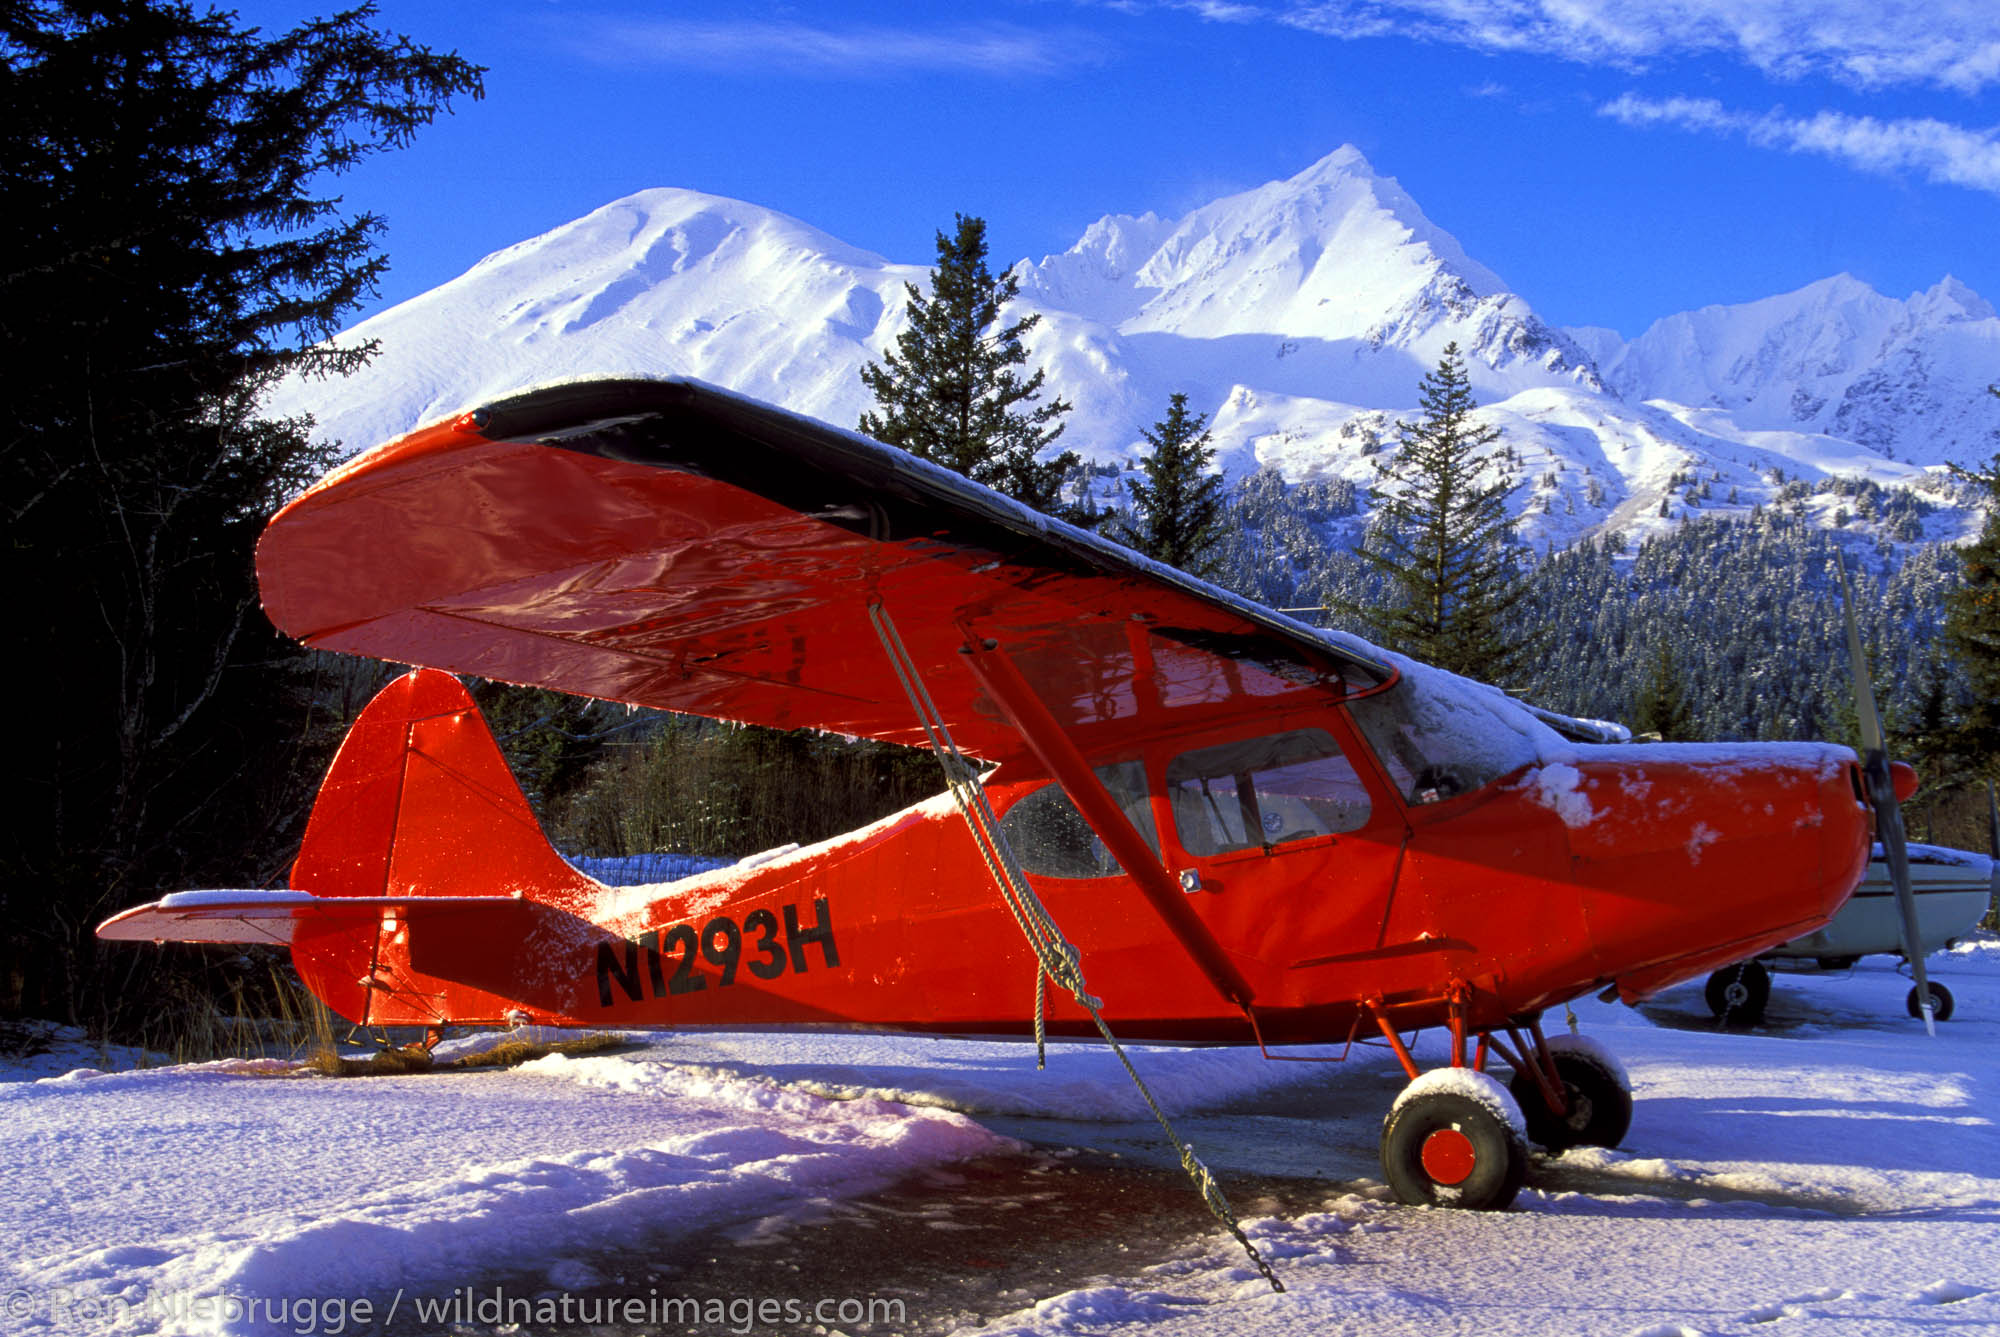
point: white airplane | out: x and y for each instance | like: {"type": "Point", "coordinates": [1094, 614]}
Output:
{"type": "Point", "coordinates": [1953, 890]}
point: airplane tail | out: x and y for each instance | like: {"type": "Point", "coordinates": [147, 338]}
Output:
{"type": "Point", "coordinates": [420, 807]}
{"type": "Point", "coordinates": [419, 802]}
{"type": "Point", "coordinates": [424, 882]}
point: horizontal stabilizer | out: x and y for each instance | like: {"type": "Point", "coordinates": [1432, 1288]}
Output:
{"type": "Point", "coordinates": [273, 916]}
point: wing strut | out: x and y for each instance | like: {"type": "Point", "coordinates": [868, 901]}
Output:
{"type": "Point", "coordinates": [1058, 755]}
{"type": "Point", "coordinates": [1056, 957]}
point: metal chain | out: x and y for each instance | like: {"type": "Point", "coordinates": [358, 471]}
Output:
{"type": "Point", "coordinates": [1204, 1179]}
{"type": "Point", "coordinates": [1056, 957]}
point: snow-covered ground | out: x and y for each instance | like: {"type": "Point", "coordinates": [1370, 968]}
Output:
{"type": "Point", "coordinates": [1833, 1172]}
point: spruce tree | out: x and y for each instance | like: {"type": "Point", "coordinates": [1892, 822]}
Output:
{"type": "Point", "coordinates": [950, 392]}
{"type": "Point", "coordinates": [1179, 501]}
{"type": "Point", "coordinates": [1443, 540]}
{"type": "Point", "coordinates": [168, 249]}
{"type": "Point", "coordinates": [1661, 705]}
{"type": "Point", "coordinates": [1972, 631]}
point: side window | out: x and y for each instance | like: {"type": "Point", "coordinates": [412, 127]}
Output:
{"type": "Point", "coordinates": [1051, 838]}
{"type": "Point", "coordinates": [1265, 791]}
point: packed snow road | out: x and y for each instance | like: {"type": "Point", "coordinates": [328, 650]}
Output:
{"type": "Point", "coordinates": [1832, 1172]}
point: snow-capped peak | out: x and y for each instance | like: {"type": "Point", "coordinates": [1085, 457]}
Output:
{"type": "Point", "coordinates": [1950, 300]}
{"type": "Point", "coordinates": [1335, 267]}
{"type": "Point", "coordinates": [665, 281]}
{"type": "Point", "coordinates": [1835, 357]}
{"type": "Point", "coordinates": [1324, 253]}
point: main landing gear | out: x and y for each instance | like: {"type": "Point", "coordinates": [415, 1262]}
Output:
{"type": "Point", "coordinates": [1737, 994]}
{"type": "Point", "coordinates": [1941, 1002]}
{"type": "Point", "coordinates": [1457, 1138]}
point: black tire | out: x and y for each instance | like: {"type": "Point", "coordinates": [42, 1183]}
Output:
{"type": "Point", "coordinates": [1499, 1158]}
{"type": "Point", "coordinates": [1737, 994]}
{"type": "Point", "coordinates": [1941, 1002]}
{"type": "Point", "coordinates": [1600, 1108]}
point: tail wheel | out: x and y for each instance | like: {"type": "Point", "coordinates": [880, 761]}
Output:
{"type": "Point", "coordinates": [1595, 1090]}
{"type": "Point", "coordinates": [1737, 994]}
{"type": "Point", "coordinates": [1941, 1002]}
{"type": "Point", "coordinates": [1451, 1143]}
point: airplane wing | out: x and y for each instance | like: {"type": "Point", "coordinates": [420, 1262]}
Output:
{"type": "Point", "coordinates": [672, 545]}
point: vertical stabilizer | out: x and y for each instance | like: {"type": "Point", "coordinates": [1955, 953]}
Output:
{"type": "Point", "coordinates": [418, 802]}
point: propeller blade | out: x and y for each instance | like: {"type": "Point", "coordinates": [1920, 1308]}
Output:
{"type": "Point", "coordinates": [1864, 687]}
{"type": "Point", "coordinates": [1992, 821]}
{"type": "Point", "coordinates": [1882, 798]}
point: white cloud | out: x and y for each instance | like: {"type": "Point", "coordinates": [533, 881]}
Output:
{"type": "Point", "coordinates": [1871, 43]}
{"type": "Point", "coordinates": [1942, 152]}
{"type": "Point", "coordinates": [859, 52]}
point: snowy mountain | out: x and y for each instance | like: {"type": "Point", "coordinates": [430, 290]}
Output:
{"type": "Point", "coordinates": [1904, 379]}
{"type": "Point", "coordinates": [1300, 316]}
{"type": "Point", "coordinates": [662, 282]}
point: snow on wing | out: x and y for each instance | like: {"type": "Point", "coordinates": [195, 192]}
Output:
{"type": "Point", "coordinates": [673, 545]}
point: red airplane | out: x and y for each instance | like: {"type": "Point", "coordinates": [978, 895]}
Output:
{"type": "Point", "coordinates": [1254, 831]}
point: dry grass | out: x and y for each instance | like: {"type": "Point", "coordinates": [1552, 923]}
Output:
{"type": "Point", "coordinates": [386, 1063]}
{"type": "Point", "coordinates": [513, 1053]}
{"type": "Point", "coordinates": [223, 1011]}
{"type": "Point", "coordinates": [26, 1039]}
{"type": "Point", "coordinates": [412, 1058]}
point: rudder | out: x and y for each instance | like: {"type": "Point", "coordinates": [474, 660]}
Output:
{"type": "Point", "coordinates": [419, 802]}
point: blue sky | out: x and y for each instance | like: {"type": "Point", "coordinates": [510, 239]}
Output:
{"type": "Point", "coordinates": [1613, 160]}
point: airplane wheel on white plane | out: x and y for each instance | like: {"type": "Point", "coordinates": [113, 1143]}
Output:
{"type": "Point", "coordinates": [1941, 1002]}
{"type": "Point", "coordinates": [1599, 1097]}
{"type": "Point", "coordinates": [1454, 1139]}
{"type": "Point", "coordinates": [1737, 994]}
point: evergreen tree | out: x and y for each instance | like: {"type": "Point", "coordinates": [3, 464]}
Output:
{"type": "Point", "coordinates": [949, 393]}
{"type": "Point", "coordinates": [168, 249]}
{"type": "Point", "coordinates": [1179, 502]}
{"type": "Point", "coordinates": [1972, 632]}
{"type": "Point", "coordinates": [1444, 541]}
{"type": "Point", "coordinates": [1661, 706]}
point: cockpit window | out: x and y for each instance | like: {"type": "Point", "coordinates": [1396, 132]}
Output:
{"type": "Point", "coordinates": [1435, 744]}
{"type": "Point", "coordinates": [1051, 838]}
{"type": "Point", "coordinates": [1261, 792]}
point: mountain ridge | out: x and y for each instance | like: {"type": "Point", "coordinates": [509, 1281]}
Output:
{"type": "Point", "coordinates": [1300, 315]}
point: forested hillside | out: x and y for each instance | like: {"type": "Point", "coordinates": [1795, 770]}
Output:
{"type": "Point", "coordinates": [1747, 609]}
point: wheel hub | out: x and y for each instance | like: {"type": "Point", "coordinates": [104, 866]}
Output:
{"type": "Point", "coordinates": [1448, 1157]}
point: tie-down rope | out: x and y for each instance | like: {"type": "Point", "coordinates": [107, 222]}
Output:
{"type": "Point", "coordinates": [1056, 957]}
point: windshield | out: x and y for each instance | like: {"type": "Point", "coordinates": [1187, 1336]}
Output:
{"type": "Point", "coordinates": [1436, 743]}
